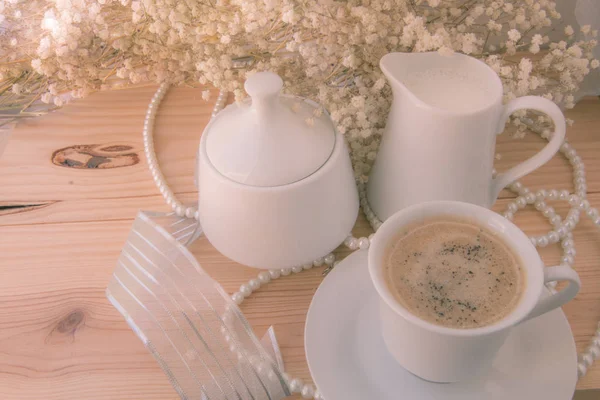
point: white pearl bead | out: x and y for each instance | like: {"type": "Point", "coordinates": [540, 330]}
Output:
{"type": "Point", "coordinates": [587, 360]}
{"type": "Point", "coordinates": [548, 212]}
{"type": "Point", "coordinates": [285, 271]}
{"type": "Point", "coordinates": [254, 284]}
{"type": "Point", "coordinates": [555, 220]}
{"type": "Point", "coordinates": [297, 269]}
{"type": "Point", "coordinates": [570, 251]}
{"type": "Point", "coordinates": [521, 202]}
{"type": "Point", "coordinates": [352, 244]}
{"type": "Point", "coordinates": [319, 395]}
{"type": "Point", "coordinates": [508, 215]}
{"type": "Point", "coordinates": [565, 147]}
{"type": "Point", "coordinates": [569, 224]}
{"type": "Point", "coordinates": [516, 186]}
{"type": "Point", "coordinates": [539, 205]}
{"type": "Point", "coordinates": [568, 259]}
{"type": "Point", "coordinates": [597, 221]}
{"type": "Point", "coordinates": [363, 243]}
{"type": "Point", "coordinates": [227, 317]}
{"type": "Point", "coordinates": [318, 262]}
{"type": "Point", "coordinates": [264, 277]}
{"type": "Point", "coordinates": [512, 208]}
{"type": "Point", "coordinates": [534, 240]}
{"type": "Point", "coordinates": [171, 201]}
{"type": "Point", "coordinates": [542, 241]}
{"type": "Point", "coordinates": [553, 237]}
{"type": "Point", "coordinates": [189, 213]}
{"type": "Point", "coordinates": [238, 298]}
{"type": "Point", "coordinates": [245, 290]}
{"type": "Point", "coordinates": [329, 259]}
{"type": "Point", "coordinates": [307, 392]}
{"type": "Point", "coordinates": [296, 385]}
{"type": "Point", "coordinates": [552, 194]}
{"type": "Point", "coordinates": [584, 205]}
{"type": "Point", "coordinates": [581, 370]}
{"type": "Point", "coordinates": [594, 351]}
{"type": "Point", "coordinates": [562, 231]}
{"type": "Point", "coordinates": [275, 273]}
{"type": "Point", "coordinates": [307, 266]}
{"type": "Point", "coordinates": [592, 213]}
{"type": "Point", "coordinates": [530, 198]}
{"type": "Point", "coordinates": [573, 200]}
{"type": "Point", "coordinates": [541, 194]}
{"type": "Point", "coordinates": [567, 243]}
{"type": "Point", "coordinates": [563, 194]}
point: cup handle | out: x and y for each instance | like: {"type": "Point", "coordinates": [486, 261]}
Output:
{"type": "Point", "coordinates": [547, 107]}
{"type": "Point", "coordinates": [553, 274]}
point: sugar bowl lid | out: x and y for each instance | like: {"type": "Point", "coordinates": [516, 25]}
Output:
{"type": "Point", "coordinates": [273, 139]}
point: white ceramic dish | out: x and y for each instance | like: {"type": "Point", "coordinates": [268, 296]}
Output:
{"type": "Point", "coordinates": [274, 191]}
{"type": "Point", "coordinates": [348, 359]}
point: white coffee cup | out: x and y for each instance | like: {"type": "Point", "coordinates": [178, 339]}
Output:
{"type": "Point", "coordinates": [442, 354]}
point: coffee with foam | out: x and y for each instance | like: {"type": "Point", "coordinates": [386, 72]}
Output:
{"type": "Point", "coordinates": [454, 273]}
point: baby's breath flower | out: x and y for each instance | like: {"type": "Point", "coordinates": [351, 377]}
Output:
{"type": "Point", "coordinates": [325, 50]}
{"type": "Point", "coordinates": [569, 30]}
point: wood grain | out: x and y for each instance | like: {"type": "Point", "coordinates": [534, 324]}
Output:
{"type": "Point", "coordinates": [96, 156]}
{"type": "Point", "coordinates": [62, 228]}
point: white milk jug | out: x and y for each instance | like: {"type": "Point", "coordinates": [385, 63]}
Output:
{"type": "Point", "coordinates": [440, 137]}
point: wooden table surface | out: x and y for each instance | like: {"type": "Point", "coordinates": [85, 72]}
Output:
{"type": "Point", "coordinates": [70, 185]}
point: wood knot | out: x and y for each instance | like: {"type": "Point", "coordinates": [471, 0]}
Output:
{"type": "Point", "coordinates": [66, 328]}
{"type": "Point", "coordinates": [92, 156]}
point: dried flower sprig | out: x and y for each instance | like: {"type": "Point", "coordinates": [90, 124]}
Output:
{"type": "Point", "coordinates": [53, 50]}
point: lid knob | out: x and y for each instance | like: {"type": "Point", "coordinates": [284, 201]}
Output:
{"type": "Point", "coordinates": [264, 88]}
{"type": "Point", "coordinates": [269, 143]}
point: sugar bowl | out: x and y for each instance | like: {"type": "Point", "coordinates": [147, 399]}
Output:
{"type": "Point", "coordinates": [276, 186]}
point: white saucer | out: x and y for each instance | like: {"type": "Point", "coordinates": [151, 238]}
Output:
{"type": "Point", "coordinates": [348, 358]}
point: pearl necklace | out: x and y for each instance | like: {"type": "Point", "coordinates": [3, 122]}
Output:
{"type": "Point", "coordinates": [562, 231]}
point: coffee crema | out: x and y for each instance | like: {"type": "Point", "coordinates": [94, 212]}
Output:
{"type": "Point", "coordinates": [454, 273]}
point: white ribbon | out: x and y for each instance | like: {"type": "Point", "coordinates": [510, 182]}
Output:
{"type": "Point", "coordinates": [193, 329]}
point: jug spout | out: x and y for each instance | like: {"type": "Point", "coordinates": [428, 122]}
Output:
{"type": "Point", "coordinates": [457, 84]}
{"type": "Point", "coordinates": [410, 77]}
{"type": "Point", "coordinates": [396, 67]}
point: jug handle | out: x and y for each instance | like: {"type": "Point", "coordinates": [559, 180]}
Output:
{"type": "Point", "coordinates": [543, 156]}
